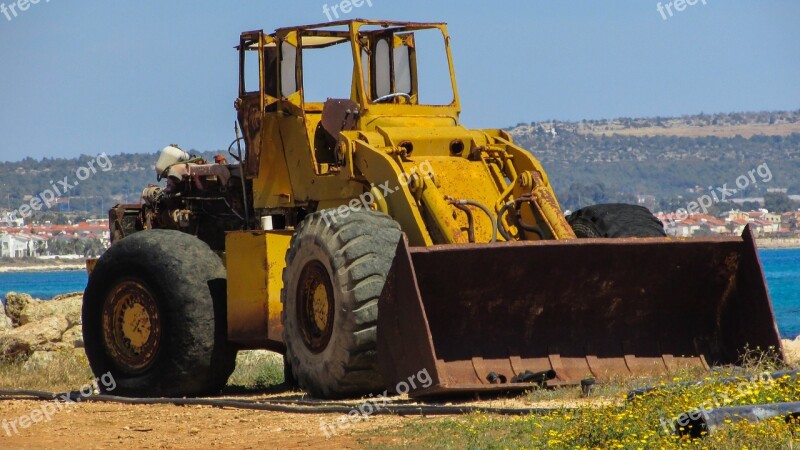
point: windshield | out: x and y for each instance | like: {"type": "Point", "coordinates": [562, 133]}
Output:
{"type": "Point", "coordinates": [406, 67]}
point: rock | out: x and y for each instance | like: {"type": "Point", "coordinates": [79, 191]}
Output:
{"type": "Point", "coordinates": [21, 342]}
{"type": "Point", "coordinates": [66, 296]}
{"type": "Point", "coordinates": [54, 347]}
{"type": "Point", "coordinates": [73, 337]}
{"type": "Point", "coordinates": [792, 350]}
{"type": "Point", "coordinates": [80, 353]}
{"type": "Point", "coordinates": [69, 308]}
{"type": "Point", "coordinates": [5, 321]}
{"type": "Point", "coordinates": [15, 303]}
{"type": "Point", "coordinates": [39, 361]}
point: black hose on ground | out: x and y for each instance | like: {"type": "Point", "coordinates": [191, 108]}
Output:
{"type": "Point", "coordinates": [286, 406]}
{"type": "Point", "coordinates": [702, 422]}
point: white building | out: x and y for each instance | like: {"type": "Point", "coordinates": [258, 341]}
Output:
{"type": "Point", "coordinates": [9, 220]}
{"type": "Point", "coordinates": [21, 245]}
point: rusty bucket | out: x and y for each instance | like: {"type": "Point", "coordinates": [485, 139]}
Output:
{"type": "Point", "coordinates": [478, 317]}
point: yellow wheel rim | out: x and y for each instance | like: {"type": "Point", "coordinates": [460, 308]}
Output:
{"type": "Point", "coordinates": [132, 326]}
{"type": "Point", "coordinates": [315, 306]}
{"type": "Point", "coordinates": [321, 307]}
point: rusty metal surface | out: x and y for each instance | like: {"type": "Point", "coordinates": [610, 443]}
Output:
{"type": "Point", "coordinates": [210, 170]}
{"type": "Point", "coordinates": [544, 200]}
{"type": "Point", "coordinates": [381, 23]}
{"type": "Point", "coordinates": [123, 220]}
{"type": "Point", "coordinates": [339, 115]}
{"type": "Point", "coordinates": [584, 308]}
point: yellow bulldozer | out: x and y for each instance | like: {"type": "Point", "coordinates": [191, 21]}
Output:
{"type": "Point", "coordinates": [365, 234]}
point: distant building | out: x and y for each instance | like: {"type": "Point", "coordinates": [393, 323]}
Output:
{"type": "Point", "coordinates": [9, 220]}
{"type": "Point", "coordinates": [21, 245]}
{"type": "Point", "coordinates": [32, 240]}
{"type": "Point", "coordinates": [733, 222]}
{"type": "Point", "coordinates": [737, 225]}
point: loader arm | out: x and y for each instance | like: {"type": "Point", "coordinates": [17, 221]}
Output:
{"type": "Point", "coordinates": [424, 187]}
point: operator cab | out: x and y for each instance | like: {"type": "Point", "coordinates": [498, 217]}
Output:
{"type": "Point", "coordinates": [341, 76]}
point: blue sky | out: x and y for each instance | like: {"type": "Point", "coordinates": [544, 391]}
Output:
{"type": "Point", "coordinates": [98, 76]}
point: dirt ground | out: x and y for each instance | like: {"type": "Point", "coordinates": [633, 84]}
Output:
{"type": "Point", "coordinates": [108, 426]}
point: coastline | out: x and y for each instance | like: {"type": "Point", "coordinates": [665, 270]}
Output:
{"type": "Point", "coordinates": [778, 244]}
{"type": "Point", "coordinates": [73, 266]}
{"type": "Point", "coordinates": [43, 268]}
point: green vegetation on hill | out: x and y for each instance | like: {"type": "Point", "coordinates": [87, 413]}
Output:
{"type": "Point", "coordinates": [588, 162]}
{"type": "Point", "coordinates": [587, 168]}
{"type": "Point", "coordinates": [128, 175]}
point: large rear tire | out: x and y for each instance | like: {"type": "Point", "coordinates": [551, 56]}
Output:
{"type": "Point", "coordinates": [336, 268]}
{"type": "Point", "coordinates": [615, 221]}
{"type": "Point", "coordinates": [154, 316]}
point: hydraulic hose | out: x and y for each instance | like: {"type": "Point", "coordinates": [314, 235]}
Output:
{"type": "Point", "coordinates": [500, 227]}
{"type": "Point", "coordinates": [529, 228]}
{"type": "Point", "coordinates": [230, 148]}
{"type": "Point", "coordinates": [486, 210]}
{"type": "Point", "coordinates": [470, 222]}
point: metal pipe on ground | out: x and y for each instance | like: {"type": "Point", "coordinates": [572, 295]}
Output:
{"type": "Point", "coordinates": [710, 421]}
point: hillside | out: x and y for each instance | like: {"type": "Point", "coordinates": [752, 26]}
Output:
{"type": "Point", "coordinates": [778, 123]}
{"type": "Point", "coordinates": [667, 158]}
{"type": "Point", "coordinates": [116, 179]}
{"type": "Point", "coordinates": [587, 161]}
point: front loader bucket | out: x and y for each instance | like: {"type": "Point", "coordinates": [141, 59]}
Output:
{"type": "Point", "coordinates": [474, 316]}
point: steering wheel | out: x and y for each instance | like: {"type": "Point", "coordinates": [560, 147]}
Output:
{"type": "Point", "coordinates": [386, 98]}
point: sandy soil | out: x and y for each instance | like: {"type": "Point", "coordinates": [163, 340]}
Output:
{"type": "Point", "coordinates": [107, 426]}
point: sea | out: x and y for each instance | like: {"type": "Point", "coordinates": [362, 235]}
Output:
{"type": "Point", "coordinates": [781, 267]}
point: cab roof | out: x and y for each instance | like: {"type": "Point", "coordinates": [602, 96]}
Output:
{"type": "Point", "coordinates": [326, 26]}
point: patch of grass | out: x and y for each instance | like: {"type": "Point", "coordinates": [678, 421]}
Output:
{"type": "Point", "coordinates": [66, 371]}
{"type": "Point", "coordinates": [644, 422]}
{"type": "Point", "coordinates": [69, 370]}
{"type": "Point", "coordinates": [617, 387]}
{"type": "Point", "coordinates": [257, 369]}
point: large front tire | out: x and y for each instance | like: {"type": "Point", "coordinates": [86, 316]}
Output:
{"type": "Point", "coordinates": [336, 268]}
{"type": "Point", "coordinates": [154, 317]}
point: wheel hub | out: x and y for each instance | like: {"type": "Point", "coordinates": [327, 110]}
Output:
{"type": "Point", "coordinates": [131, 326]}
{"type": "Point", "coordinates": [315, 308]}
{"type": "Point", "coordinates": [136, 325]}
